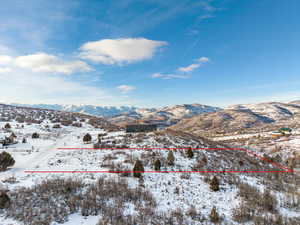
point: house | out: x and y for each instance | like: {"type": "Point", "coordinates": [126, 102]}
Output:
{"type": "Point", "coordinates": [141, 128]}
{"type": "Point", "coordinates": [277, 134]}
{"type": "Point", "coordinates": [285, 130]}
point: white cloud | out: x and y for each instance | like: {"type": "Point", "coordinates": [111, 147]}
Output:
{"type": "Point", "coordinates": [42, 62]}
{"type": "Point", "coordinates": [201, 61]}
{"type": "Point", "coordinates": [126, 88]}
{"type": "Point", "coordinates": [20, 82]}
{"type": "Point", "coordinates": [169, 76]}
{"type": "Point", "coordinates": [117, 51]}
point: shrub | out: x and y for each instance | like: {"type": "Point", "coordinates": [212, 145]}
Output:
{"type": "Point", "coordinates": [56, 126]}
{"type": "Point", "coordinates": [243, 213]}
{"type": "Point", "coordinates": [214, 184]}
{"type": "Point", "coordinates": [269, 202]}
{"type": "Point", "coordinates": [87, 138]}
{"type": "Point", "coordinates": [138, 169]}
{"type": "Point", "coordinates": [6, 160]}
{"type": "Point", "coordinates": [35, 135]}
{"type": "Point", "coordinates": [75, 124]}
{"type": "Point", "coordinates": [170, 158]}
{"type": "Point", "coordinates": [157, 165]}
{"type": "Point", "coordinates": [214, 216]}
{"type": "Point", "coordinates": [192, 212]}
{"type": "Point", "coordinates": [66, 122]}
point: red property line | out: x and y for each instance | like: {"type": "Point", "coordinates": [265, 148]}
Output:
{"type": "Point", "coordinates": [285, 169]}
{"type": "Point", "coordinates": [204, 171]}
{"type": "Point", "coordinates": [140, 148]}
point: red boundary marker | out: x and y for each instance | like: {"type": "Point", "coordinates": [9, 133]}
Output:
{"type": "Point", "coordinates": [278, 165]}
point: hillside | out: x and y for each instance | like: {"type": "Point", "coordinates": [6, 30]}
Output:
{"type": "Point", "coordinates": [66, 182]}
{"type": "Point", "coordinates": [37, 116]}
{"type": "Point", "coordinates": [243, 118]}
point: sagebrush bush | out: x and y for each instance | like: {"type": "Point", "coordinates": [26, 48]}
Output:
{"type": "Point", "coordinates": [170, 158]}
{"type": "Point", "coordinates": [54, 200]}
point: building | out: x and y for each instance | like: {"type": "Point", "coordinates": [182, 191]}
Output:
{"type": "Point", "coordinates": [285, 130]}
{"type": "Point", "coordinates": [277, 134]}
{"type": "Point", "coordinates": [141, 128]}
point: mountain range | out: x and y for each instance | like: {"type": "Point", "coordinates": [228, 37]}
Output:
{"type": "Point", "coordinates": [243, 117]}
{"type": "Point", "coordinates": [198, 119]}
{"type": "Point", "coordinates": [165, 116]}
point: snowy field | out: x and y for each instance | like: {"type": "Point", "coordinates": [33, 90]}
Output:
{"type": "Point", "coordinates": [171, 190]}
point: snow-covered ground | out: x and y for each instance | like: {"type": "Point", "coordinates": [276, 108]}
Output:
{"type": "Point", "coordinates": [171, 191]}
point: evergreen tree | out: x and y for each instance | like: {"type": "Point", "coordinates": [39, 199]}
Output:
{"type": "Point", "coordinates": [4, 200]}
{"type": "Point", "coordinates": [138, 169]}
{"type": "Point", "coordinates": [214, 216]}
{"type": "Point", "coordinates": [170, 158]}
{"type": "Point", "coordinates": [204, 160]}
{"type": "Point", "coordinates": [6, 160]}
{"type": "Point", "coordinates": [214, 184]}
{"type": "Point", "coordinates": [7, 126]}
{"type": "Point", "coordinates": [157, 165]}
{"type": "Point", "coordinates": [190, 153]}
{"type": "Point", "coordinates": [87, 138]}
{"type": "Point", "coordinates": [35, 135]}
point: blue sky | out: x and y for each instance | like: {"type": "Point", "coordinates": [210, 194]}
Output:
{"type": "Point", "coordinates": [149, 53]}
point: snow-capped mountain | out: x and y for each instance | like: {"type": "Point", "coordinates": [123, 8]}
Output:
{"type": "Point", "coordinates": [104, 111]}
{"type": "Point", "coordinates": [165, 115]}
{"type": "Point", "coordinates": [272, 110]}
{"type": "Point", "coordinates": [241, 117]}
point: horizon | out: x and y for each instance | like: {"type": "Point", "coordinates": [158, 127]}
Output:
{"type": "Point", "coordinates": [163, 106]}
{"type": "Point", "coordinates": [149, 54]}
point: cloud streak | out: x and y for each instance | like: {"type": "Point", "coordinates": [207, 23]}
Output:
{"type": "Point", "coordinates": [185, 70]}
{"type": "Point", "coordinates": [169, 76]}
{"type": "Point", "coordinates": [200, 62]}
{"type": "Point", "coordinates": [126, 88]}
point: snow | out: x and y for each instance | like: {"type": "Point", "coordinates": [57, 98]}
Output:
{"type": "Point", "coordinates": [43, 154]}
{"type": "Point", "coordinates": [80, 220]}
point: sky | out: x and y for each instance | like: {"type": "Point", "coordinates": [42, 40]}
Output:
{"type": "Point", "coordinates": [149, 53]}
